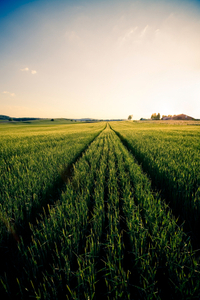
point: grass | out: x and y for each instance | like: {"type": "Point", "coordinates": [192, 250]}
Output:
{"type": "Point", "coordinates": [170, 156]}
{"type": "Point", "coordinates": [108, 234]}
{"type": "Point", "coordinates": [34, 166]}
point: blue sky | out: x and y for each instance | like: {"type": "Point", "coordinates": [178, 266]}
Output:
{"type": "Point", "coordinates": [100, 59]}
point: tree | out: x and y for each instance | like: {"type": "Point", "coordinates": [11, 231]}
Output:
{"type": "Point", "coordinates": [155, 116]}
{"type": "Point", "coordinates": [130, 117]}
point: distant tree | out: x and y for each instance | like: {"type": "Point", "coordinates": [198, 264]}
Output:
{"type": "Point", "coordinates": [52, 120]}
{"type": "Point", "coordinates": [10, 119]}
{"type": "Point", "coordinates": [168, 116]}
{"type": "Point", "coordinates": [155, 116]}
{"type": "Point", "coordinates": [130, 117]}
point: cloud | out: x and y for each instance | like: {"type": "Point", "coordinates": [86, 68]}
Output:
{"type": "Point", "coordinates": [133, 35]}
{"type": "Point", "coordinates": [144, 31]}
{"type": "Point", "coordinates": [11, 94]}
{"type": "Point", "coordinates": [129, 35]}
{"type": "Point", "coordinates": [25, 69]}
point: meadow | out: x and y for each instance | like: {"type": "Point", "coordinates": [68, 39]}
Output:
{"type": "Point", "coordinates": [100, 211]}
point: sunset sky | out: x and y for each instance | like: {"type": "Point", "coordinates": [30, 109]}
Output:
{"type": "Point", "coordinates": [99, 59]}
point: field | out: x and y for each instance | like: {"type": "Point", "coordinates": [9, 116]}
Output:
{"type": "Point", "coordinates": [100, 210]}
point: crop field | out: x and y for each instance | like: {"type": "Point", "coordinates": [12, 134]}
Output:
{"type": "Point", "coordinates": [170, 155]}
{"type": "Point", "coordinates": [100, 211]}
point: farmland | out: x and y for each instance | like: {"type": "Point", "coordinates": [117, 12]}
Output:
{"type": "Point", "coordinates": [171, 157]}
{"type": "Point", "coordinates": [91, 211]}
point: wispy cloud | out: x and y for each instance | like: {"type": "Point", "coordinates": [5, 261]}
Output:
{"type": "Point", "coordinates": [129, 35]}
{"type": "Point", "coordinates": [11, 94]}
{"type": "Point", "coordinates": [144, 31]}
{"type": "Point", "coordinates": [25, 69]}
{"type": "Point", "coordinates": [133, 35]}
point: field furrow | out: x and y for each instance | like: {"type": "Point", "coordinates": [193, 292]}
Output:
{"type": "Point", "coordinates": [164, 246]}
{"type": "Point", "coordinates": [170, 156]}
{"type": "Point", "coordinates": [34, 173]}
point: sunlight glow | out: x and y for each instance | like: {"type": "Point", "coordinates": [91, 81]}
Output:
{"type": "Point", "coordinates": [101, 59]}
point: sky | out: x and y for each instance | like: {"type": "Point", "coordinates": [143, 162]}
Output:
{"type": "Point", "coordinates": [99, 59]}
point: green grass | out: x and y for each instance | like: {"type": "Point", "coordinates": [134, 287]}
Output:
{"type": "Point", "coordinates": [108, 234]}
{"type": "Point", "coordinates": [170, 154]}
{"type": "Point", "coordinates": [35, 162]}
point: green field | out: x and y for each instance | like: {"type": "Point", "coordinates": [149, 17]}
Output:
{"type": "Point", "coordinates": [100, 210]}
